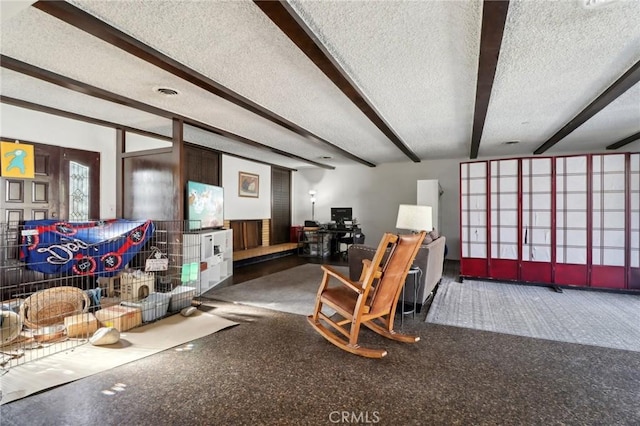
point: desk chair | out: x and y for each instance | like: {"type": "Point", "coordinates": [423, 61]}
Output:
{"type": "Point", "coordinates": [349, 239]}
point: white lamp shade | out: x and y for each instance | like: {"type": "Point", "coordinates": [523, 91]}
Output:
{"type": "Point", "coordinates": [414, 218]}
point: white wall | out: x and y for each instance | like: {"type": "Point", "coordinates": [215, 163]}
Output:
{"type": "Point", "coordinates": [375, 194]}
{"type": "Point", "coordinates": [33, 126]}
{"type": "Point", "coordinates": [239, 208]}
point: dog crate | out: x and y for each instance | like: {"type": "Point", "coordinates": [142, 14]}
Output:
{"type": "Point", "coordinates": [59, 281]}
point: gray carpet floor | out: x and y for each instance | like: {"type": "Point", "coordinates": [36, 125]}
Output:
{"type": "Point", "coordinates": [293, 290]}
{"type": "Point", "coordinates": [576, 316]}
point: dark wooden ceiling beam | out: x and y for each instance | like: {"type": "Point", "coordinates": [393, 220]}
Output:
{"type": "Point", "coordinates": [625, 141]}
{"type": "Point", "coordinates": [285, 17]}
{"type": "Point", "coordinates": [68, 83]}
{"type": "Point", "coordinates": [621, 85]}
{"type": "Point", "coordinates": [494, 17]}
{"type": "Point", "coordinates": [84, 21]}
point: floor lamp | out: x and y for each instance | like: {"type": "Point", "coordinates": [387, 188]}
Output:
{"type": "Point", "coordinates": [312, 194]}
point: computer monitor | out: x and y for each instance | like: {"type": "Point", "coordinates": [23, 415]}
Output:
{"type": "Point", "coordinates": [341, 214]}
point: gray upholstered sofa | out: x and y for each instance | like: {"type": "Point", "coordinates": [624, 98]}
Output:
{"type": "Point", "coordinates": [430, 260]}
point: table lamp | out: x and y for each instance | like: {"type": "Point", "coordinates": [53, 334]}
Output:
{"type": "Point", "coordinates": [414, 218]}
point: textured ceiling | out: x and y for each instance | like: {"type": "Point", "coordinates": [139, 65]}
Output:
{"type": "Point", "coordinates": [414, 62]}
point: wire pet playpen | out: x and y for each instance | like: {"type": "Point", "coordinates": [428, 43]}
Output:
{"type": "Point", "coordinates": [61, 281]}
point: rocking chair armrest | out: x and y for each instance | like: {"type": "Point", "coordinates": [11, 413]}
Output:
{"type": "Point", "coordinates": [343, 280]}
{"type": "Point", "coordinates": [366, 265]}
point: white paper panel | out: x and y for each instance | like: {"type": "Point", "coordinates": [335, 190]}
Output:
{"type": "Point", "coordinates": [504, 167]}
{"type": "Point", "coordinates": [477, 186]}
{"type": "Point", "coordinates": [614, 239]}
{"type": "Point", "coordinates": [614, 200]}
{"type": "Point", "coordinates": [541, 201]}
{"type": "Point", "coordinates": [477, 235]}
{"type": "Point", "coordinates": [541, 184]}
{"type": "Point", "coordinates": [477, 219]}
{"type": "Point", "coordinates": [577, 164]}
{"type": "Point", "coordinates": [635, 240]}
{"type": "Point", "coordinates": [610, 201]}
{"type": "Point", "coordinates": [576, 256]}
{"type": "Point", "coordinates": [635, 258]}
{"type": "Point", "coordinates": [465, 250]}
{"type": "Point", "coordinates": [477, 202]}
{"type": "Point", "coordinates": [464, 221]}
{"type": "Point", "coordinates": [540, 254]}
{"type": "Point", "coordinates": [539, 236]}
{"type": "Point", "coordinates": [504, 201]}
{"type": "Point", "coordinates": [478, 169]}
{"type": "Point", "coordinates": [635, 162]}
{"type": "Point", "coordinates": [541, 166]}
{"type": "Point", "coordinates": [614, 257]}
{"type": "Point", "coordinates": [635, 200]}
{"type": "Point", "coordinates": [614, 182]}
{"type": "Point", "coordinates": [542, 219]}
{"type": "Point", "coordinates": [508, 218]}
{"type": "Point", "coordinates": [635, 221]}
{"type": "Point", "coordinates": [613, 162]}
{"type": "Point", "coordinates": [506, 184]}
{"type": "Point", "coordinates": [505, 251]}
{"type": "Point", "coordinates": [464, 171]}
{"type": "Point", "coordinates": [504, 235]}
{"type": "Point", "coordinates": [574, 202]}
{"type": "Point", "coordinates": [603, 220]}
{"type": "Point", "coordinates": [576, 238]}
{"type": "Point", "coordinates": [576, 183]}
{"type": "Point", "coordinates": [573, 219]}
{"type": "Point", "coordinates": [478, 250]}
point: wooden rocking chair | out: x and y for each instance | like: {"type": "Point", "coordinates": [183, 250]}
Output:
{"type": "Point", "coordinates": [371, 301]}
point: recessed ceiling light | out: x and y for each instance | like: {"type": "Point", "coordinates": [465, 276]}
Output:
{"type": "Point", "coordinates": [511, 142]}
{"type": "Point", "coordinates": [591, 4]}
{"type": "Point", "coordinates": [166, 91]}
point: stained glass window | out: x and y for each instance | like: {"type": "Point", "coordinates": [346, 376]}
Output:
{"type": "Point", "coordinates": [78, 192]}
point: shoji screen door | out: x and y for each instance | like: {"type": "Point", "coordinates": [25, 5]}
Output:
{"type": "Point", "coordinates": [634, 222]}
{"type": "Point", "coordinates": [504, 224]}
{"type": "Point", "coordinates": [473, 219]}
{"type": "Point", "coordinates": [608, 255]}
{"type": "Point", "coordinates": [537, 210]}
{"type": "Point", "coordinates": [572, 220]}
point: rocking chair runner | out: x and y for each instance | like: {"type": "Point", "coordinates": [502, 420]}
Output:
{"type": "Point", "coordinates": [371, 301]}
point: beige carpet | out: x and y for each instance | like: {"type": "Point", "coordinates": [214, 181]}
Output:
{"type": "Point", "coordinates": [86, 360]}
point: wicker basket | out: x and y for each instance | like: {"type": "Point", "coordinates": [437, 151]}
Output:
{"type": "Point", "coordinates": [51, 306]}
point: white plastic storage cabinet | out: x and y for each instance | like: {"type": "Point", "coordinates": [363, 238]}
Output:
{"type": "Point", "coordinates": [213, 251]}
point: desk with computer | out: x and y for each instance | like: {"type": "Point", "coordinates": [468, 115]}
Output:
{"type": "Point", "coordinates": [334, 237]}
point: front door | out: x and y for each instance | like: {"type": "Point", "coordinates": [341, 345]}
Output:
{"type": "Point", "coordinates": [66, 186]}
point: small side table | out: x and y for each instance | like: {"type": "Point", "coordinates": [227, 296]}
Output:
{"type": "Point", "coordinates": [416, 273]}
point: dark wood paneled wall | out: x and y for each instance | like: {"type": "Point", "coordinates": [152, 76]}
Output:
{"type": "Point", "coordinates": [246, 234]}
{"type": "Point", "coordinates": [146, 178]}
{"type": "Point", "coordinates": [280, 205]}
{"type": "Point", "coordinates": [147, 183]}
{"type": "Point", "coordinates": [202, 165]}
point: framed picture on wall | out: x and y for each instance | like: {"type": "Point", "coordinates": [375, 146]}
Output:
{"type": "Point", "coordinates": [248, 185]}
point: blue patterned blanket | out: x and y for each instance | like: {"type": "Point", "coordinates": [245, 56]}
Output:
{"type": "Point", "coordinates": [82, 248]}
